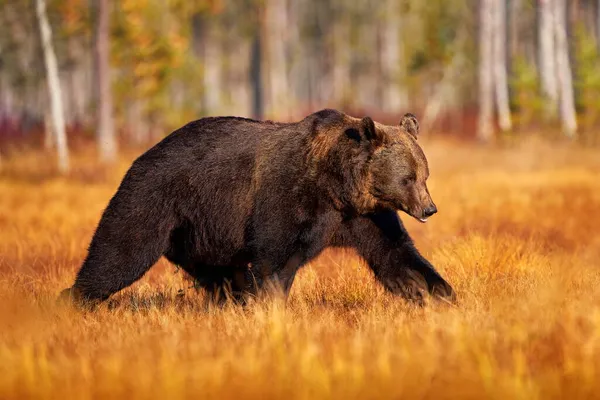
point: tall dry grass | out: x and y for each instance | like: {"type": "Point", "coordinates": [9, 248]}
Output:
{"type": "Point", "coordinates": [517, 235]}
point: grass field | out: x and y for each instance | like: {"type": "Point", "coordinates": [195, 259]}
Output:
{"type": "Point", "coordinates": [517, 235]}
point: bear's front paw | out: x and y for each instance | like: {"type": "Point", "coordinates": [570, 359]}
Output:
{"type": "Point", "coordinates": [415, 288]}
{"type": "Point", "coordinates": [443, 291]}
{"type": "Point", "coordinates": [412, 287]}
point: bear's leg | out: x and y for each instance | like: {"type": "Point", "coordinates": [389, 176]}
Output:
{"type": "Point", "coordinates": [125, 245]}
{"type": "Point", "coordinates": [383, 242]}
{"type": "Point", "coordinates": [223, 282]}
{"type": "Point", "coordinates": [284, 277]}
{"type": "Point", "coordinates": [276, 278]}
{"type": "Point", "coordinates": [275, 271]}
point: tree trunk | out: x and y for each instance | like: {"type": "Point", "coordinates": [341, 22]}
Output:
{"type": "Point", "coordinates": [341, 59]}
{"type": "Point", "coordinates": [563, 66]}
{"type": "Point", "coordinates": [499, 61]}
{"type": "Point", "coordinates": [485, 128]}
{"type": "Point", "coordinates": [366, 81]}
{"type": "Point", "coordinates": [547, 57]}
{"type": "Point", "coordinates": [394, 95]}
{"type": "Point", "coordinates": [441, 96]}
{"type": "Point", "coordinates": [514, 20]}
{"type": "Point", "coordinates": [256, 74]}
{"type": "Point", "coordinates": [54, 90]}
{"type": "Point", "coordinates": [212, 60]}
{"type": "Point", "coordinates": [294, 53]}
{"type": "Point", "coordinates": [76, 83]}
{"type": "Point", "coordinates": [198, 33]}
{"type": "Point", "coordinates": [277, 23]}
{"type": "Point", "coordinates": [598, 24]}
{"type": "Point", "coordinates": [137, 122]}
{"type": "Point", "coordinates": [106, 129]}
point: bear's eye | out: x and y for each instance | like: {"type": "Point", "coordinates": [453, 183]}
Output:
{"type": "Point", "coordinates": [353, 134]}
{"type": "Point", "coordinates": [408, 180]}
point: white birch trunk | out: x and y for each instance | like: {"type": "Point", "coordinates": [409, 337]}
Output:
{"type": "Point", "coordinates": [563, 66]}
{"type": "Point", "coordinates": [276, 24]}
{"type": "Point", "coordinates": [54, 90]}
{"type": "Point", "coordinates": [485, 128]}
{"type": "Point", "coordinates": [106, 127]}
{"type": "Point", "coordinates": [547, 57]}
{"type": "Point", "coordinates": [499, 60]}
{"type": "Point", "coordinates": [394, 96]}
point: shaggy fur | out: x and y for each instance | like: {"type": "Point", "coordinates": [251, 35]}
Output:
{"type": "Point", "coordinates": [244, 204]}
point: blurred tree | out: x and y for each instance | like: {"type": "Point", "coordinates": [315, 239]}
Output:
{"type": "Point", "coordinates": [563, 67]}
{"type": "Point", "coordinates": [547, 56]}
{"type": "Point", "coordinates": [212, 58]}
{"type": "Point", "coordinates": [256, 75]}
{"type": "Point", "coordinates": [342, 55]}
{"type": "Point", "coordinates": [107, 143]}
{"type": "Point", "coordinates": [54, 90]}
{"type": "Point", "coordinates": [393, 65]}
{"type": "Point", "coordinates": [149, 47]}
{"type": "Point", "coordinates": [75, 30]}
{"type": "Point", "coordinates": [276, 28]}
{"type": "Point", "coordinates": [22, 66]}
{"type": "Point", "coordinates": [439, 48]}
{"type": "Point", "coordinates": [486, 86]}
{"type": "Point", "coordinates": [587, 76]}
{"type": "Point", "coordinates": [500, 65]}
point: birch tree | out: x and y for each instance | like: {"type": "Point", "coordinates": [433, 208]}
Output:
{"type": "Point", "coordinates": [106, 129]}
{"type": "Point", "coordinates": [486, 87]}
{"type": "Point", "coordinates": [54, 88]}
{"type": "Point", "coordinates": [500, 65]}
{"type": "Point", "coordinates": [394, 96]}
{"type": "Point", "coordinates": [276, 16]}
{"type": "Point", "coordinates": [256, 65]}
{"type": "Point", "coordinates": [565, 83]}
{"type": "Point", "coordinates": [546, 54]}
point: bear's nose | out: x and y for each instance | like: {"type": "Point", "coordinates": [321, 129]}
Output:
{"type": "Point", "coordinates": [429, 211]}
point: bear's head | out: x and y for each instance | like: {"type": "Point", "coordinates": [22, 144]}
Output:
{"type": "Point", "coordinates": [374, 166]}
{"type": "Point", "coordinates": [399, 169]}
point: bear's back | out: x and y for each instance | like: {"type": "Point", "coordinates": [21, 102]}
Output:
{"type": "Point", "coordinates": [208, 173]}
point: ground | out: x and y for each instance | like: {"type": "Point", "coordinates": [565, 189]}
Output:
{"type": "Point", "coordinates": [517, 235]}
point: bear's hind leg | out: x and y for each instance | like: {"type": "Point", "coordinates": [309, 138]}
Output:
{"type": "Point", "coordinates": [223, 283]}
{"type": "Point", "coordinates": [123, 249]}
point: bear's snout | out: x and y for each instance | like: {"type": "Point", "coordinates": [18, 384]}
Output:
{"type": "Point", "coordinates": [429, 211]}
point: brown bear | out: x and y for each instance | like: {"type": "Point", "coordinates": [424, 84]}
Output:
{"type": "Point", "coordinates": [243, 203]}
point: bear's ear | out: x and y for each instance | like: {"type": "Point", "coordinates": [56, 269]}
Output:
{"type": "Point", "coordinates": [367, 126]}
{"type": "Point", "coordinates": [410, 124]}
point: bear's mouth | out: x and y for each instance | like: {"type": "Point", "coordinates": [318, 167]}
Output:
{"type": "Point", "coordinates": [399, 206]}
{"type": "Point", "coordinates": [420, 219]}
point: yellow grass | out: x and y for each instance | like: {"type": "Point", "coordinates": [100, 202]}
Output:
{"type": "Point", "coordinates": [518, 236]}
